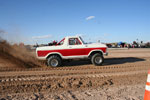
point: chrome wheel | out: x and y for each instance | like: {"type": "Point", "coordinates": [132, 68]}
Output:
{"type": "Point", "coordinates": [54, 62]}
{"type": "Point", "coordinates": [98, 60]}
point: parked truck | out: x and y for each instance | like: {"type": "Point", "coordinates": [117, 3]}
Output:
{"type": "Point", "coordinates": [72, 47]}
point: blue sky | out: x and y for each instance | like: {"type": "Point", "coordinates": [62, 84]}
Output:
{"type": "Point", "coordinates": [42, 21]}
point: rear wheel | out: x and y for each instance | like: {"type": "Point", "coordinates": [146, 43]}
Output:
{"type": "Point", "coordinates": [97, 59]}
{"type": "Point", "coordinates": [54, 61]}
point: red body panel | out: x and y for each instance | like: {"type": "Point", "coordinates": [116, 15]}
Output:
{"type": "Point", "coordinates": [70, 52]}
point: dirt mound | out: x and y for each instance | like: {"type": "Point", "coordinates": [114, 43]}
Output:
{"type": "Point", "coordinates": [18, 55]}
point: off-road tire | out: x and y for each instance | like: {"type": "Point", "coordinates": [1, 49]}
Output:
{"type": "Point", "coordinates": [97, 59]}
{"type": "Point", "coordinates": [54, 59]}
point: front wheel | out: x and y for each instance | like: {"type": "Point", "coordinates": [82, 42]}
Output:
{"type": "Point", "coordinates": [97, 59]}
{"type": "Point", "coordinates": [54, 61]}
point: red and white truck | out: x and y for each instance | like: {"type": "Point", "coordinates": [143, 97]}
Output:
{"type": "Point", "coordinates": [72, 47]}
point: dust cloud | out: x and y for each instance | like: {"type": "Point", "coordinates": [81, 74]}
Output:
{"type": "Point", "coordinates": [17, 54]}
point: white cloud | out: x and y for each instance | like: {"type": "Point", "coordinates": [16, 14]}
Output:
{"type": "Point", "coordinates": [41, 37]}
{"type": "Point", "coordinates": [90, 17]}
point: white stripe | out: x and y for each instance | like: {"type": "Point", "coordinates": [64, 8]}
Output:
{"type": "Point", "coordinates": [147, 88]}
{"type": "Point", "coordinates": [148, 78]}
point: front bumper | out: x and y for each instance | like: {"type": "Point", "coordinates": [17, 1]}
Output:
{"type": "Point", "coordinates": [106, 54]}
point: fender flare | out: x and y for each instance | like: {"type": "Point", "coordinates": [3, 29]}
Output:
{"type": "Point", "coordinates": [99, 50]}
{"type": "Point", "coordinates": [53, 53]}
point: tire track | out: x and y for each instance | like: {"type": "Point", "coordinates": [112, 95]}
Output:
{"type": "Point", "coordinates": [47, 83]}
{"type": "Point", "coordinates": [89, 75]}
{"type": "Point", "coordinates": [8, 69]}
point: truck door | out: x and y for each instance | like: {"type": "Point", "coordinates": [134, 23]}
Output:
{"type": "Point", "coordinates": [75, 47]}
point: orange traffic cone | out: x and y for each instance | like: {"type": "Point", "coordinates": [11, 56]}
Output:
{"type": "Point", "coordinates": [147, 88]}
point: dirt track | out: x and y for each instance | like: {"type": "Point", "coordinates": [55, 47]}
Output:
{"type": "Point", "coordinates": [122, 77]}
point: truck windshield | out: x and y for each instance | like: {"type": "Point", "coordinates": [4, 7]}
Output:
{"type": "Point", "coordinates": [82, 40]}
{"type": "Point", "coordinates": [61, 42]}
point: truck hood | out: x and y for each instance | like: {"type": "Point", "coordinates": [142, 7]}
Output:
{"type": "Point", "coordinates": [96, 45]}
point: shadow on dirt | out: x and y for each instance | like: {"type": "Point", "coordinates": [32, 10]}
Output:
{"type": "Point", "coordinates": [111, 61]}
{"type": "Point", "coordinates": [108, 61]}
{"type": "Point", "coordinates": [76, 63]}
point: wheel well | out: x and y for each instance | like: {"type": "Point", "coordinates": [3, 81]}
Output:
{"type": "Point", "coordinates": [53, 55]}
{"type": "Point", "coordinates": [94, 52]}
